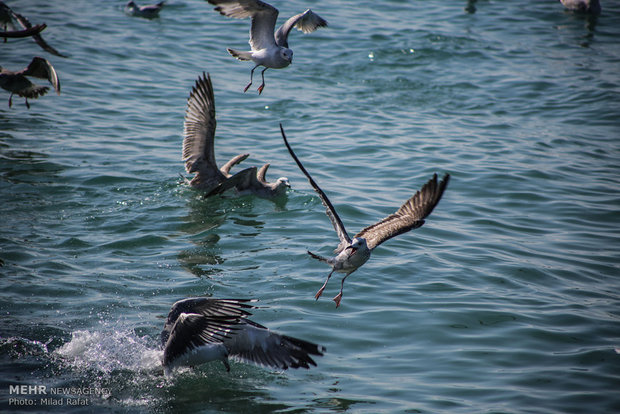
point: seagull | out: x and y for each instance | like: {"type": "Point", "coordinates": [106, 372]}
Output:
{"type": "Point", "coordinates": [200, 330]}
{"type": "Point", "coordinates": [199, 154]}
{"type": "Point", "coordinates": [268, 49]}
{"type": "Point", "coordinates": [149, 11]}
{"type": "Point", "coordinates": [353, 253]}
{"type": "Point", "coordinates": [17, 82]}
{"type": "Point", "coordinates": [583, 6]}
{"type": "Point", "coordinates": [7, 16]}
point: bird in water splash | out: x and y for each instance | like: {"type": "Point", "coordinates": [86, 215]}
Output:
{"type": "Point", "coordinates": [200, 330]}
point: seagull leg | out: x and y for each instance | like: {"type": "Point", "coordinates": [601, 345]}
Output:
{"type": "Point", "coordinates": [226, 365]}
{"type": "Point", "coordinates": [338, 297]}
{"type": "Point", "coordinates": [320, 292]}
{"type": "Point", "coordinates": [27, 104]}
{"type": "Point", "coordinates": [262, 85]}
{"type": "Point", "coordinates": [251, 76]}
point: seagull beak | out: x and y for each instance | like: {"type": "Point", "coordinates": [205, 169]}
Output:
{"type": "Point", "coordinates": [353, 250]}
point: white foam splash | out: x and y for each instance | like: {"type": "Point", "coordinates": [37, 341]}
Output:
{"type": "Point", "coordinates": [108, 351]}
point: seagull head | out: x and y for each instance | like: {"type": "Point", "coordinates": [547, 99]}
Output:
{"type": "Point", "coordinates": [286, 54]}
{"type": "Point", "coordinates": [356, 244]}
{"type": "Point", "coordinates": [283, 182]}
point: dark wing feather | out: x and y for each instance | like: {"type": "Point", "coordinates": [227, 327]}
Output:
{"type": "Point", "coordinates": [224, 309]}
{"type": "Point", "coordinates": [23, 21]}
{"type": "Point", "coordinates": [255, 343]}
{"type": "Point", "coordinates": [191, 331]}
{"type": "Point", "coordinates": [329, 208]}
{"type": "Point", "coordinates": [210, 307]}
{"type": "Point", "coordinates": [409, 216]}
{"type": "Point", "coordinates": [307, 22]}
{"type": "Point", "coordinates": [199, 133]}
{"type": "Point", "coordinates": [25, 32]}
{"type": "Point", "coordinates": [243, 180]}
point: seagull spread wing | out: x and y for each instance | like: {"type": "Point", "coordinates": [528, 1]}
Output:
{"type": "Point", "coordinates": [307, 22]}
{"type": "Point", "coordinates": [409, 216]}
{"type": "Point", "coordinates": [329, 208]}
{"type": "Point", "coordinates": [256, 344]}
{"type": "Point", "coordinates": [199, 133]}
{"type": "Point", "coordinates": [23, 22]}
{"type": "Point", "coordinates": [263, 16]}
{"type": "Point", "coordinates": [41, 68]}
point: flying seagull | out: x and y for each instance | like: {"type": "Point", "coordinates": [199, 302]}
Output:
{"type": "Point", "coordinates": [583, 6]}
{"type": "Point", "coordinates": [268, 49]}
{"type": "Point", "coordinates": [17, 82]}
{"type": "Point", "coordinates": [8, 16]}
{"type": "Point", "coordinates": [200, 330]}
{"type": "Point", "coordinates": [199, 154]}
{"type": "Point", "coordinates": [149, 11]}
{"type": "Point", "coordinates": [353, 253]}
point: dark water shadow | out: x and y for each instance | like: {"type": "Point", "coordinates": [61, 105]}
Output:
{"type": "Point", "coordinates": [205, 217]}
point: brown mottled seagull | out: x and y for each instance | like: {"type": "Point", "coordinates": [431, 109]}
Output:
{"type": "Point", "coordinates": [268, 49]}
{"type": "Point", "coordinates": [199, 154]}
{"type": "Point", "coordinates": [200, 330]}
{"type": "Point", "coordinates": [353, 253]}
{"type": "Point", "coordinates": [17, 82]}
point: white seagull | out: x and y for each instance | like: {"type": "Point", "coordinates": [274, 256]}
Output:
{"type": "Point", "coordinates": [353, 253]}
{"type": "Point", "coordinates": [17, 82]}
{"type": "Point", "coordinates": [149, 11]}
{"type": "Point", "coordinates": [268, 49]}
{"type": "Point", "coordinates": [201, 330]}
{"type": "Point", "coordinates": [199, 154]}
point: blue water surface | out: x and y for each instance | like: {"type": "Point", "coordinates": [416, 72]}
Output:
{"type": "Point", "coordinates": [506, 301]}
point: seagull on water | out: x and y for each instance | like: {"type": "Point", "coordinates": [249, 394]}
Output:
{"type": "Point", "coordinates": [8, 16]}
{"type": "Point", "coordinates": [149, 11]}
{"type": "Point", "coordinates": [268, 49]}
{"type": "Point", "coordinates": [199, 154]}
{"type": "Point", "coordinates": [353, 253]}
{"type": "Point", "coordinates": [17, 82]}
{"type": "Point", "coordinates": [583, 6]}
{"type": "Point", "coordinates": [200, 330]}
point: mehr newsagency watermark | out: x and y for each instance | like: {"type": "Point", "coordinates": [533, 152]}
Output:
{"type": "Point", "coordinates": [42, 395]}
